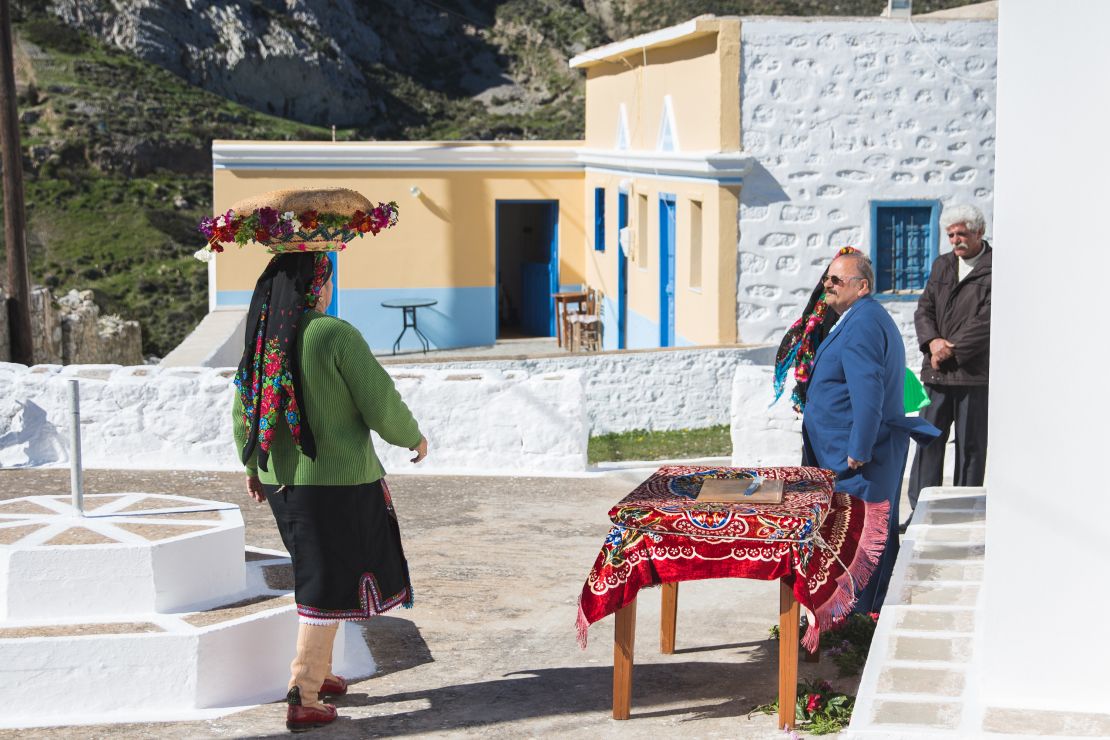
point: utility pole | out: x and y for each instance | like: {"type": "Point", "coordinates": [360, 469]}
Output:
{"type": "Point", "coordinates": [15, 224]}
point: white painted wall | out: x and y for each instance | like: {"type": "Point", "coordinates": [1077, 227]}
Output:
{"type": "Point", "coordinates": [839, 112]}
{"type": "Point", "coordinates": [650, 389]}
{"type": "Point", "coordinates": [150, 417]}
{"type": "Point", "coordinates": [1046, 546]}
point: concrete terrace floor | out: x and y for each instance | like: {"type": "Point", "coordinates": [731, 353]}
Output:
{"type": "Point", "coordinates": [489, 649]}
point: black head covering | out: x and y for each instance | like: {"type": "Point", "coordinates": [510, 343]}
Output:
{"type": "Point", "coordinates": [268, 378]}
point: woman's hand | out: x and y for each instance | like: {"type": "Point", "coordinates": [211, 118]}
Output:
{"type": "Point", "coordinates": [421, 449]}
{"type": "Point", "coordinates": [254, 488]}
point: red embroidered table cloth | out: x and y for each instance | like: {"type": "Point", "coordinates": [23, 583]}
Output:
{"type": "Point", "coordinates": [828, 542]}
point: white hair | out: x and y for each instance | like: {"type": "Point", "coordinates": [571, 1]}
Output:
{"type": "Point", "coordinates": [968, 215]}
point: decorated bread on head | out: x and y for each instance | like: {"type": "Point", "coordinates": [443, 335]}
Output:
{"type": "Point", "coordinates": [317, 220]}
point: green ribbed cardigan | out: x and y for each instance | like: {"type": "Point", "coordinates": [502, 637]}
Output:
{"type": "Point", "coordinates": [347, 393]}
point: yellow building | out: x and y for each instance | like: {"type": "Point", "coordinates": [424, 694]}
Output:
{"type": "Point", "coordinates": [644, 210]}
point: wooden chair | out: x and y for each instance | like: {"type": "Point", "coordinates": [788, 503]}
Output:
{"type": "Point", "coordinates": [585, 326]}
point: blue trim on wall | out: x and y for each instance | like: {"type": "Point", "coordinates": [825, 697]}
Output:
{"type": "Point", "coordinates": [609, 336]}
{"type": "Point", "coordinates": [643, 333]}
{"type": "Point", "coordinates": [234, 298]}
{"type": "Point", "coordinates": [463, 317]}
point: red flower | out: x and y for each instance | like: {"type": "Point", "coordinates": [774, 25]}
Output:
{"type": "Point", "coordinates": [874, 616]}
{"type": "Point", "coordinates": [813, 703]}
{"type": "Point", "coordinates": [216, 247]}
{"type": "Point", "coordinates": [226, 233]}
{"type": "Point", "coordinates": [308, 219]}
{"type": "Point", "coordinates": [261, 235]}
{"type": "Point", "coordinates": [356, 221]}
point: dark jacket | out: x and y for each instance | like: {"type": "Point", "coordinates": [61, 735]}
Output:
{"type": "Point", "coordinates": [959, 311]}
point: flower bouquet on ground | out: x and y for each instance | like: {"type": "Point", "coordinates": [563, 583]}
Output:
{"type": "Point", "coordinates": [820, 709]}
{"type": "Point", "coordinates": [320, 220]}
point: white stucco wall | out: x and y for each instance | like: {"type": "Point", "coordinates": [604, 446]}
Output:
{"type": "Point", "coordinates": [1046, 548]}
{"type": "Point", "coordinates": [840, 112]}
{"type": "Point", "coordinates": [150, 417]}
{"type": "Point", "coordinates": [651, 389]}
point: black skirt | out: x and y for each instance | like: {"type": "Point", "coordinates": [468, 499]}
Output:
{"type": "Point", "coordinates": [348, 563]}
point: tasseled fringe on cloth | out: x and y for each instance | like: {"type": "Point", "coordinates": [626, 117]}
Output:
{"type": "Point", "coordinates": [583, 625]}
{"type": "Point", "coordinates": [857, 574]}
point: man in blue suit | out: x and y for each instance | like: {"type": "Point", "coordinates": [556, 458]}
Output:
{"type": "Point", "coordinates": [855, 423]}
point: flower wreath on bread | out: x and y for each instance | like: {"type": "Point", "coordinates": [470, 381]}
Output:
{"type": "Point", "coordinates": [319, 220]}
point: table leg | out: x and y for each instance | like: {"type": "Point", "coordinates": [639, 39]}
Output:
{"type": "Point", "coordinates": [624, 641]}
{"type": "Point", "coordinates": [560, 310]}
{"type": "Point", "coordinates": [668, 618]}
{"type": "Point", "coordinates": [788, 655]}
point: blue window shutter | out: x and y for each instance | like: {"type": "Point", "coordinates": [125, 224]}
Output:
{"type": "Point", "coordinates": [599, 219]}
{"type": "Point", "coordinates": [903, 242]}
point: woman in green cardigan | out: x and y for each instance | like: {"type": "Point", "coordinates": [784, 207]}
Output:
{"type": "Point", "coordinates": [309, 392]}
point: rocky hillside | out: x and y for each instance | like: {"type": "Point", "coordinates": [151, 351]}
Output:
{"type": "Point", "coordinates": [120, 100]}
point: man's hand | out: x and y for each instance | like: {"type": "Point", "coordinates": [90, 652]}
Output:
{"type": "Point", "coordinates": [421, 449]}
{"type": "Point", "coordinates": [940, 349]}
{"type": "Point", "coordinates": [853, 463]}
{"type": "Point", "coordinates": [254, 488]}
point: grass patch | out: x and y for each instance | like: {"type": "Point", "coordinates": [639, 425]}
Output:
{"type": "Point", "coordinates": [641, 444]}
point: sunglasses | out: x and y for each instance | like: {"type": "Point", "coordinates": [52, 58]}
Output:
{"type": "Point", "coordinates": [837, 280]}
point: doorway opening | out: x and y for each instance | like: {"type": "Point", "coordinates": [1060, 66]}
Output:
{"type": "Point", "coordinates": [527, 267]}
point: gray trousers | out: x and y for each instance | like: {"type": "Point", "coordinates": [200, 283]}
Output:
{"type": "Point", "coordinates": [964, 406]}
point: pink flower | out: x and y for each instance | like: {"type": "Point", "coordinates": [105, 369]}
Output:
{"type": "Point", "coordinates": [302, 246]}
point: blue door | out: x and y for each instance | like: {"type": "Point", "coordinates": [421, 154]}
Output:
{"type": "Point", "coordinates": [551, 229]}
{"type": "Point", "coordinates": [905, 238]}
{"type": "Point", "coordinates": [666, 269]}
{"type": "Point", "coordinates": [622, 274]}
{"type": "Point", "coordinates": [333, 308]}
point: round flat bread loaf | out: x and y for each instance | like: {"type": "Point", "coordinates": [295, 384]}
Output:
{"type": "Point", "coordinates": [343, 201]}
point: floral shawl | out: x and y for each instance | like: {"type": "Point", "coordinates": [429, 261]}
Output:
{"type": "Point", "coordinates": [799, 345]}
{"type": "Point", "coordinates": [268, 378]}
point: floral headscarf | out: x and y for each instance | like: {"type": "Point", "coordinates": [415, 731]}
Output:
{"type": "Point", "coordinates": [802, 339]}
{"type": "Point", "coordinates": [268, 378]}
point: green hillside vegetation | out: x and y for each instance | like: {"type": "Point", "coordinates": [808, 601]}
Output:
{"type": "Point", "coordinates": [117, 175]}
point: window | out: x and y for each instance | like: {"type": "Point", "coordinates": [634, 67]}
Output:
{"type": "Point", "coordinates": [642, 231]}
{"type": "Point", "coordinates": [904, 244]}
{"type": "Point", "coordinates": [695, 244]}
{"type": "Point", "coordinates": [599, 219]}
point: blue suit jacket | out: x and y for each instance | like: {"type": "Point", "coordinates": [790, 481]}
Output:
{"type": "Point", "coordinates": [855, 407]}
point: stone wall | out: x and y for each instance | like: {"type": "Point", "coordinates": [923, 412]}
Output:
{"type": "Point", "coordinates": [70, 330]}
{"type": "Point", "coordinates": [647, 389]}
{"type": "Point", "coordinates": [46, 327]}
{"type": "Point", "coordinates": [89, 338]}
{"type": "Point", "coordinates": [148, 417]}
{"type": "Point", "coordinates": [841, 112]}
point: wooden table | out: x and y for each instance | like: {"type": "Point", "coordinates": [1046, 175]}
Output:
{"type": "Point", "coordinates": [562, 301]}
{"type": "Point", "coordinates": [817, 543]}
{"type": "Point", "coordinates": [624, 641]}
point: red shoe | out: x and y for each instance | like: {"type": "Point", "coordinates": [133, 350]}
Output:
{"type": "Point", "coordinates": [334, 687]}
{"type": "Point", "coordinates": [299, 718]}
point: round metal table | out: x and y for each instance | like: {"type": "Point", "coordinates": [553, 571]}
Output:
{"type": "Point", "coordinates": [408, 308]}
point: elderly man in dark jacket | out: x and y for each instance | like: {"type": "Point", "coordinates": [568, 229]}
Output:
{"type": "Point", "coordinates": [953, 322]}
